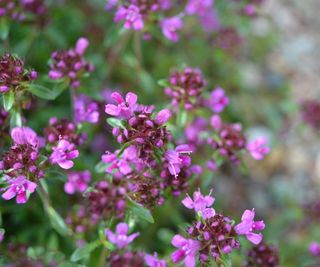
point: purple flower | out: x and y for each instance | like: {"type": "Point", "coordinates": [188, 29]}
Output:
{"type": "Point", "coordinates": [81, 46]}
{"type": "Point", "coordinates": [258, 148]}
{"type": "Point", "coordinates": [125, 108]}
{"type": "Point", "coordinates": [153, 261]}
{"type": "Point", "coordinates": [218, 100]}
{"type": "Point", "coordinates": [198, 7]}
{"type": "Point", "coordinates": [162, 117]}
{"type": "Point", "coordinates": [19, 187]}
{"type": "Point", "coordinates": [187, 248]}
{"type": "Point", "coordinates": [177, 158]}
{"type": "Point", "coordinates": [210, 21]}
{"type": "Point", "coordinates": [170, 26]}
{"type": "Point", "coordinates": [200, 204]}
{"type": "Point", "coordinates": [24, 136]}
{"type": "Point", "coordinates": [314, 249]}
{"type": "Point", "coordinates": [85, 110]}
{"type": "Point", "coordinates": [77, 181]}
{"type": "Point", "coordinates": [248, 225]}
{"type": "Point", "coordinates": [131, 16]}
{"type": "Point", "coordinates": [216, 122]}
{"type": "Point", "coordinates": [120, 238]}
{"type": "Point", "coordinates": [63, 154]}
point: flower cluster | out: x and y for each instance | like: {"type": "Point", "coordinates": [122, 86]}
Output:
{"type": "Point", "coordinates": [310, 110]}
{"type": "Point", "coordinates": [212, 234]}
{"type": "Point", "coordinates": [13, 75]}
{"type": "Point", "coordinates": [85, 110]}
{"type": "Point", "coordinates": [262, 255]}
{"type": "Point", "coordinates": [70, 64]}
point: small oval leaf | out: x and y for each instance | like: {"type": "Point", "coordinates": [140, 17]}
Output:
{"type": "Point", "coordinates": [84, 251]}
{"type": "Point", "coordinates": [139, 211]}
{"type": "Point", "coordinates": [8, 100]}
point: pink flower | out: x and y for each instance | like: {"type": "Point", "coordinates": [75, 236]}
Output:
{"type": "Point", "coordinates": [216, 122]}
{"type": "Point", "coordinates": [24, 136]}
{"type": "Point", "coordinates": [177, 158]}
{"type": "Point", "coordinates": [198, 7]}
{"type": "Point", "coordinates": [81, 45]}
{"type": "Point", "coordinates": [131, 16]}
{"type": "Point", "coordinates": [170, 26]}
{"type": "Point", "coordinates": [77, 181]}
{"type": "Point", "coordinates": [314, 249]}
{"type": "Point", "coordinates": [63, 154]}
{"type": "Point", "coordinates": [200, 204]}
{"type": "Point", "coordinates": [218, 100]}
{"type": "Point", "coordinates": [85, 110]}
{"type": "Point", "coordinates": [153, 261]}
{"type": "Point", "coordinates": [258, 148]}
{"type": "Point", "coordinates": [248, 225]}
{"type": "Point", "coordinates": [19, 187]}
{"type": "Point", "coordinates": [163, 116]}
{"type": "Point", "coordinates": [187, 249]}
{"type": "Point", "coordinates": [125, 108]}
{"type": "Point", "coordinates": [120, 238]}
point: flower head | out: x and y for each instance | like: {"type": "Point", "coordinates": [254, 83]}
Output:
{"type": "Point", "coordinates": [19, 187]}
{"type": "Point", "coordinates": [131, 16]}
{"type": "Point", "coordinates": [77, 181]}
{"type": "Point", "coordinates": [125, 108]}
{"type": "Point", "coordinates": [120, 237]}
{"type": "Point", "coordinates": [248, 225]}
{"type": "Point", "coordinates": [218, 100]}
{"type": "Point", "coordinates": [85, 110]}
{"type": "Point", "coordinates": [200, 204]}
{"type": "Point", "coordinates": [170, 26]}
{"type": "Point", "coordinates": [153, 261]}
{"type": "Point", "coordinates": [258, 148]}
{"type": "Point", "coordinates": [198, 7]}
{"type": "Point", "coordinates": [187, 249]}
{"type": "Point", "coordinates": [262, 255]}
{"type": "Point", "coordinates": [63, 154]}
{"type": "Point", "coordinates": [314, 249]}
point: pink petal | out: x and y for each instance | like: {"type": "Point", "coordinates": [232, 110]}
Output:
{"type": "Point", "coordinates": [188, 202]}
{"type": "Point", "coordinates": [254, 238]}
{"type": "Point", "coordinates": [111, 236]}
{"type": "Point", "coordinates": [22, 198]}
{"type": "Point", "coordinates": [190, 260]}
{"type": "Point", "coordinates": [112, 110]}
{"type": "Point", "coordinates": [117, 97]}
{"type": "Point", "coordinates": [122, 229]}
{"type": "Point", "coordinates": [69, 188]}
{"type": "Point", "coordinates": [81, 45]}
{"type": "Point", "coordinates": [248, 215]}
{"type": "Point", "coordinates": [131, 99]}
{"type": "Point", "coordinates": [178, 241]}
{"type": "Point", "coordinates": [132, 237]}
{"type": "Point", "coordinates": [67, 164]}
{"type": "Point", "coordinates": [177, 256]}
{"type": "Point", "coordinates": [9, 194]}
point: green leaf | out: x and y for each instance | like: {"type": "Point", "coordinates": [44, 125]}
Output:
{"type": "Point", "coordinates": [101, 167]}
{"type": "Point", "coordinates": [139, 211]}
{"type": "Point", "coordinates": [116, 123]}
{"type": "Point", "coordinates": [84, 251]}
{"type": "Point", "coordinates": [4, 28]}
{"type": "Point", "coordinates": [225, 260]}
{"type": "Point", "coordinates": [15, 118]}
{"type": "Point", "coordinates": [46, 93]}
{"type": "Point", "coordinates": [57, 222]}
{"type": "Point", "coordinates": [164, 83]}
{"type": "Point", "coordinates": [8, 100]}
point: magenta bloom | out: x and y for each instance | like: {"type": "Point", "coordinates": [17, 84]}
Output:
{"type": "Point", "coordinates": [162, 117]}
{"type": "Point", "coordinates": [218, 100]}
{"type": "Point", "coordinates": [125, 108]}
{"type": "Point", "coordinates": [216, 122]}
{"type": "Point", "coordinates": [85, 110]}
{"type": "Point", "coordinates": [131, 16]}
{"type": "Point", "coordinates": [77, 181]}
{"type": "Point", "coordinates": [19, 187]}
{"type": "Point", "coordinates": [170, 26]}
{"type": "Point", "coordinates": [63, 154]}
{"type": "Point", "coordinates": [258, 148]}
{"type": "Point", "coordinates": [200, 204]}
{"type": "Point", "coordinates": [24, 136]}
{"type": "Point", "coordinates": [177, 158]}
{"type": "Point", "coordinates": [187, 249]}
{"type": "Point", "coordinates": [314, 249]}
{"type": "Point", "coordinates": [198, 7]}
{"type": "Point", "coordinates": [248, 225]}
{"type": "Point", "coordinates": [120, 238]}
{"type": "Point", "coordinates": [153, 261]}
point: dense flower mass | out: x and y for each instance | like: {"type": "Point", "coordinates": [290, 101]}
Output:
{"type": "Point", "coordinates": [262, 255]}
{"type": "Point", "coordinates": [70, 64]}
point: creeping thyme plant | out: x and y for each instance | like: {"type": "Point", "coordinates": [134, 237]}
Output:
{"type": "Point", "coordinates": [126, 135]}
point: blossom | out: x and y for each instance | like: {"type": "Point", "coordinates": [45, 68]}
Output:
{"type": "Point", "coordinates": [19, 187]}
{"type": "Point", "coordinates": [153, 261]}
{"type": "Point", "coordinates": [248, 225]}
{"type": "Point", "coordinates": [216, 122]}
{"type": "Point", "coordinates": [177, 158]}
{"type": "Point", "coordinates": [258, 148]}
{"type": "Point", "coordinates": [263, 255]}
{"type": "Point", "coordinates": [77, 181]}
{"type": "Point", "coordinates": [170, 26]}
{"type": "Point", "coordinates": [200, 204]}
{"type": "Point", "coordinates": [85, 110]}
{"type": "Point", "coordinates": [125, 108]}
{"type": "Point", "coordinates": [314, 249]}
{"type": "Point", "coordinates": [218, 100]}
{"type": "Point", "coordinates": [198, 7]}
{"type": "Point", "coordinates": [63, 154]}
{"type": "Point", "coordinates": [120, 238]}
{"type": "Point", "coordinates": [24, 136]}
{"type": "Point", "coordinates": [131, 16]}
{"type": "Point", "coordinates": [162, 117]}
{"type": "Point", "coordinates": [187, 249]}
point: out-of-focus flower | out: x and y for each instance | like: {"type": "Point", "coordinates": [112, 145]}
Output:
{"type": "Point", "coordinates": [258, 148]}
{"type": "Point", "coordinates": [131, 16]}
{"type": "Point", "coordinates": [198, 7]}
{"type": "Point", "coordinates": [218, 100]}
{"type": "Point", "coordinates": [314, 249]}
{"type": "Point", "coordinates": [85, 110]}
{"type": "Point", "coordinates": [63, 154]}
{"type": "Point", "coordinates": [262, 255]}
{"type": "Point", "coordinates": [200, 204]}
{"type": "Point", "coordinates": [19, 187]}
{"type": "Point", "coordinates": [153, 261]}
{"type": "Point", "coordinates": [77, 181]}
{"type": "Point", "coordinates": [125, 108]}
{"type": "Point", "coordinates": [310, 111]}
{"type": "Point", "coordinates": [187, 250]}
{"type": "Point", "coordinates": [170, 26]}
{"type": "Point", "coordinates": [248, 225]}
{"type": "Point", "coordinates": [120, 237]}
